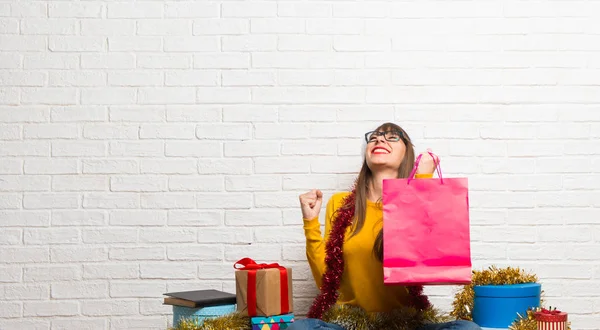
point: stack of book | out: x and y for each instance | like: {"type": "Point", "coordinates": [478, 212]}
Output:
{"type": "Point", "coordinates": [199, 305]}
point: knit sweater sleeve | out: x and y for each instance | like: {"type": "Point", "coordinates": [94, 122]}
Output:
{"type": "Point", "coordinates": [315, 242]}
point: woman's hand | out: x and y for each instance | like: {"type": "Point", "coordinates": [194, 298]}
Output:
{"type": "Point", "coordinates": [310, 204]}
{"type": "Point", "coordinates": [427, 165]}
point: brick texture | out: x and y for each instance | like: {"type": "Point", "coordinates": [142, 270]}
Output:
{"type": "Point", "coordinates": [145, 146]}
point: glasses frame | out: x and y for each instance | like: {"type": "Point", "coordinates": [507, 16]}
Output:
{"type": "Point", "coordinates": [379, 133]}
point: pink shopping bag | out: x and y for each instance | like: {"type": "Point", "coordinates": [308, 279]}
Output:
{"type": "Point", "coordinates": [426, 236]}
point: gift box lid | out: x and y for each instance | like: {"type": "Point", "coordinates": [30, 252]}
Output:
{"type": "Point", "coordinates": [205, 311]}
{"type": "Point", "coordinates": [508, 291]}
{"type": "Point", "coordinates": [284, 318]}
{"type": "Point", "coordinates": [551, 316]}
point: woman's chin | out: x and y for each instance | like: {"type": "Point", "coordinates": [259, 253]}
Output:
{"type": "Point", "coordinates": [379, 157]}
{"type": "Point", "coordinates": [379, 164]}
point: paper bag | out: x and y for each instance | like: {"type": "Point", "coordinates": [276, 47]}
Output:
{"type": "Point", "coordinates": [426, 235]}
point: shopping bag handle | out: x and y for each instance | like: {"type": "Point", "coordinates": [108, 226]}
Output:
{"type": "Point", "coordinates": [418, 160]}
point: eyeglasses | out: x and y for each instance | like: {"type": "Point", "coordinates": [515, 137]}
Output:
{"type": "Point", "coordinates": [391, 136]}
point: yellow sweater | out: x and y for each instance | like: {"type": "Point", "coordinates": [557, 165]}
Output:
{"type": "Point", "coordinates": [362, 280]}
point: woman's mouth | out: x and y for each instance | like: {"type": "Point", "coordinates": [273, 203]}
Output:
{"type": "Point", "coordinates": [380, 151]}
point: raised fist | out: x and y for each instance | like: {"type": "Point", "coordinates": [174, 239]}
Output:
{"type": "Point", "coordinates": [310, 204]}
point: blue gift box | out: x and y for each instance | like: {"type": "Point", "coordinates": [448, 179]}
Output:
{"type": "Point", "coordinates": [275, 322]}
{"type": "Point", "coordinates": [498, 306]}
{"type": "Point", "coordinates": [200, 314]}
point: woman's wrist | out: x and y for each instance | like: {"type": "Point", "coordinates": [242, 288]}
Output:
{"type": "Point", "coordinates": [308, 222]}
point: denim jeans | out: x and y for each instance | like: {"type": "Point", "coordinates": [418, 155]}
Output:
{"type": "Point", "coordinates": [314, 324]}
{"type": "Point", "coordinates": [454, 325]}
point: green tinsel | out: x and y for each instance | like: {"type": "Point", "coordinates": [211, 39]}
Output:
{"type": "Point", "coordinates": [349, 317]}
{"type": "Point", "coordinates": [405, 318]}
{"type": "Point", "coordinates": [402, 319]}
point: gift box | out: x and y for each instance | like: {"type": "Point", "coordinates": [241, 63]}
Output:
{"type": "Point", "coordinates": [263, 289]}
{"type": "Point", "coordinates": [200, 314]}
{"type": "Point", "coordinates": [551, 319]}
{"type": "Point", "coordinates": [277, 322]}
{"type": "Point", "coordinates": [497, 306]}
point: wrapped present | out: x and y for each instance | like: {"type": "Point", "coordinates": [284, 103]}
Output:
{"type": "Point", "coordinates": [263, 289]}
{"type": "Point", "coordinates": [551, 319]}
{"type": "Point", "coordinates": [497, 306]}
{"type": "Point", "coordinates": [200, 314]}
{"type": "Point", "coordinates": [277, 322]}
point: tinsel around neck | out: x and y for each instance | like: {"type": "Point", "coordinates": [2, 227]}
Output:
{"type": "Point", "coordinates": [334, 258]}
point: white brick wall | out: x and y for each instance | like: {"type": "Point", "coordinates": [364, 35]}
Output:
{"type": "Point", "coordinates": [145, 146]}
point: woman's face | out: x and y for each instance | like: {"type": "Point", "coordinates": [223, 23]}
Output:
{"type": "Point", "coordinates": [385, 149]}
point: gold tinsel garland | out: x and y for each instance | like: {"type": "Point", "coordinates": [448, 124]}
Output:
{"type": "Point", "coordinates": [352, 318]}
{"type": "Point", "coordinates": [528, 322]}
{"type": "Point", "coordinates": [405, 318]}
{"type": "Point", "coordinates": [233, 321]}
{"type": "Point", "coordinates": [525, 322]}
{"type": "Point", "coordinates": [348, 317]}
{"type": "Point", "coordinates": [464, 299]}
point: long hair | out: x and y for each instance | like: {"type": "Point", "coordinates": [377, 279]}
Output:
{"type": "Point", "coordinates": [364, 181]}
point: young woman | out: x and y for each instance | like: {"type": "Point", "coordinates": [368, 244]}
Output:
{"type": "Point", "coordinates": [388, 154]}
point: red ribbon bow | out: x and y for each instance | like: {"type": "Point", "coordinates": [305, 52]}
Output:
{"type": "Point", "coordinates": [551, 312]}
{"type": "Point", "coordinates": [249, 264]}
{"type": "Point", "coordinates": [252, 267]}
